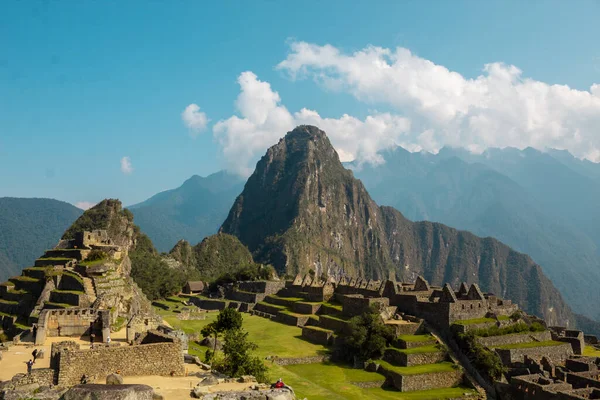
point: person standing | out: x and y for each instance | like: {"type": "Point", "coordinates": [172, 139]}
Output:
{"type": "Point", "coordinates": [34, 332]}
{"type": "Point", "coordinates": [92, 337]}
{"type": "Point", "coordinates": [29, 366]}
{"type": "Point", "coordinates": [34, 354]}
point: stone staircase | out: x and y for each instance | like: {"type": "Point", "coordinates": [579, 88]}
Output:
{"type": "Point", "coordinates": [89, 289]}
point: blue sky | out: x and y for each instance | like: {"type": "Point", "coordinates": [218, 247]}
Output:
{"type": "Point", "coordinates": [84, 84]}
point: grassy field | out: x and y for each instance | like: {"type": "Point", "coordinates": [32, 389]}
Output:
{"type": "Point", "coordinates": [330, 381]}
{"type": "Point", "coordinates": [415, 338]}
{"type": "Point", "coordinates": [591, 352]}
{"type": "Point", "coordinates": [529, 345]}
{"type": "Point", "coordinates": [420, 350]}
{"type": "Point", "coordinates": [323, 381]}
{"type": "Point", "coordinates": [419, 369]}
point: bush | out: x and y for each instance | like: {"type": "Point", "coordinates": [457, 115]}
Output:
{"type": "Point", "coordinates": [367, 337]}
{"type": "Point", "coordinates": [96, 255]}
{"type": "Point", "coordinates": [252, 272]}
{"type": "Point", "coordinates": [485, 360]}
{"type": "Point", "coordinates": [507, 330]}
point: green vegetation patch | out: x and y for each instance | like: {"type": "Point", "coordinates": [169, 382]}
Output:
{"type": "Point", "coordinates": [517, 328]}
{"type": "Point", "coordinates": [11, 302]}
{"type": "Point", "coordinates": [317, 328]}
{"type": "Point", "coordinates": [416, 338]}
{"type": "Point", "coordinates": [336, 317]}
{"type": "Point", "coordinates": [529, 345]}
{"type": "Point", "coordinates": [93, 263]}
{"type": "Point", "coordinates": [58, 305]}
{"type": "Point", "coordinates": [474, 321]}
{"type": "Point", "coordinates": [272, 305]}
{"type": "Point", "coordinates": [24, 278]}
{"type": "Point", "coordinates": [292, 299]}
{"type": "Point", "coordinates": [434, 348]}
{"type": "Point", "coordinates": [591, 351]}
{"type": "Point", "coordinates": [55, 258]}
{"type": "Point", "coordinates": [419, 369]}
{"type": "Point", "coordinates": [79, 292]}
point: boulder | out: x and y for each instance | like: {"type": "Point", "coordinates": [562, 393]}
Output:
{"type": "Point", "coordinates": [198, 392]}
{"type": "Point", "coordinates": [246, 379]}
{"type": "Point", "coordinates": [109, 392]}
{"type": "Point", "coordinates": [271, 394]}
{"type": "Point", "coordinates": [114, 379]}
{"type": "Point", "coordinates": [210, 343]}
{"type": "Point", "coordinates": [208, 381]}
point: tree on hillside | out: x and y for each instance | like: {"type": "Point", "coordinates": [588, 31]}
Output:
{"type": "Point", "coordinates": [238, 359]}
{"type": "Point", "coordinates": [227, 320]}
{"type": "Point", "coordinates": [366, 338]}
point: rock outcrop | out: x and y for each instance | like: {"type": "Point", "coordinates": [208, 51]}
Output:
{"type": "Point", "coordinates": [301, 209]}
{"type": "Point", "coordinates": [110, 392]}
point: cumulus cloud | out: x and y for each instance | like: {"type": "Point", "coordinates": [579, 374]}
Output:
{"type": "Point", "coordinates": [85, 205]}
{"type": "Point", "coordinates": [126, 166]}
{"type": "Point", "coordinates": [263, 120]}
{"type": "Point", "coordinates": [194, 119]}
{"type": "Point", "coordinates": [499, 108]}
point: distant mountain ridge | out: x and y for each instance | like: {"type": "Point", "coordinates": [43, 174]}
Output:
{"type": "Point", "coordinates": [301, 209]}
{"type": "Point", "coordinates": [192, 211]}
{"type": "Point", "coordinates": [497, 194]}
{"type": "Point", "coordinates": [29, 226]}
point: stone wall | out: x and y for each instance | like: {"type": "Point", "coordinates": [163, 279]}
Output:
{"type": "Point", "coordinates": [290, 319]}
{"type": "Point", "coordinates": [317, 335]}
{"type": "Point", "coordinates": [39, 376]}
{"type": "Point", "coordinates": [306, 308]}
{"type": "Point", "coordinates": [557, 354]}
{"type": "Point", "coordinates": [356, 304]}
{"type": "Point", "coordinates": [406, 383]}
{"type": "Point", "coordinates": [397, 357]}
{"type": "Point", "coordinates": [265, 287]}
{"type": "Point", "coordinates": [301, 360]}
{"type": "Point", "coordinates": [209, 304]}
{"type": "Point", "coordinates": [147, 359]}
{"type": "Point", "coordinates": [584, 379]}
{"type": "Point", "coordinates": [516, 338]}
{"type": "Point", "coordinates": [332, 323]}
{"type": "Point", "coordinates": [72, 322]}
{"type": "Point", "coordinates": [245, 297]}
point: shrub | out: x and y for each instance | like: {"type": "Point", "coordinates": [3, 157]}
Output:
{"type": "Point", "coordinates": [485, 360]}
{"type": "Point", "coordinates": [367, 337]}
{"type": "Point", "coordinates": [96, 255]}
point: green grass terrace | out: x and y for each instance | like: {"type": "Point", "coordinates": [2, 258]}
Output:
{"type": "Point", "coordinates": [529, 345]}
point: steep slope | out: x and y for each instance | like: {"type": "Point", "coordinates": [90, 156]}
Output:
{"type": "Point", "coordinates": [474, 197]}
{"type": "Point", "coordinates": [192, 211]}
{"type": "Point", "coordinates": [302, 209]}
{"type": "Point", "coordinates": [28, 227]}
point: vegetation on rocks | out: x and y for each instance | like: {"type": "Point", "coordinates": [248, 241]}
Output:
{"type": "Point", "coordinates": [486, 361]}
{"type": "Point", "coordinates": [367, 337]}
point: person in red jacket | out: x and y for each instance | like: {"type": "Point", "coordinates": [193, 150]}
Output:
{"type": "Point", "coordinates": [279, 384]}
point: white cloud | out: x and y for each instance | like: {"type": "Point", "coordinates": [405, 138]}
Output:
{"type": "Point", "coordinates": [126, 166]}
{"type": "Point", "coordinates": [194, 119]}
{"type": "Point", "coordinates": [497, 109]}
{"type": "Point", "coordinates": [263, 120]}
{"type": "Point", "coordinates": [85, 205]}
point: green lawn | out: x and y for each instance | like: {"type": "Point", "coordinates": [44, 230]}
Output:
{"type": "Point", "coordinates": [415, 338]}
{"type": "Point", "coordinates": [272, 338]}
{"type": "Point", "coordinates": [529, 345]}
{"type": "Point", "coordinates": [474, 321]}
{"type": "Point", "coordinates": [591, 351]}
{"type": "Point", "coordinates": [420, 350]}
{"type": "Point", "coordinates": [418, 369]}
{"type": "Point", "coordinates": [330, 381]}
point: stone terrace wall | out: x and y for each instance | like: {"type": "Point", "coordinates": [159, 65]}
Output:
{"type": "Point", "coordinates": [405, 383]}
{"type": "Point", "coordinates": [266, 287]}
{"type": "Point", "coordinates": [40, 376]}
{"type": "Point", "coordinates": [556, 354]}
{"type": "Point", "coordinates": [492, 341]}
{"type": "Point", "coordinates": [147, 359]}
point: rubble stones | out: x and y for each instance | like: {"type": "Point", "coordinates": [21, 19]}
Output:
{"type": "Point", "coordinates": [110, 392]}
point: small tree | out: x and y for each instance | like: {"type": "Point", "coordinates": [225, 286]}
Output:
{"type": "Point", "coordinates": [238, 360]}
{"type": "Point", "coordinates": [367, 336]}
{"type": "Point", "coordinates": [228, 319]}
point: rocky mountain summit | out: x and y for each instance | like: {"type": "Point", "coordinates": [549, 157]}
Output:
{"type": "Point", "coordinates": [301, 210]}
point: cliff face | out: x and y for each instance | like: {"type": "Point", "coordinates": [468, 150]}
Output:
{"type": "Point", "coordinates": [301, 209]}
